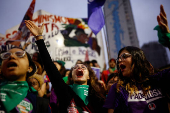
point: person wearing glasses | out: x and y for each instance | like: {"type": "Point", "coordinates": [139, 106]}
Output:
{"type": "Point", "coordinates": [139, 89]}
{"type": "Point", "coordinates": [17, 66]}
{"type": "Point", "coordinates": [83, 94]}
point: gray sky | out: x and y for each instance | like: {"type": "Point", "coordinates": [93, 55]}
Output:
{"type": "Point", "coordinates": [145, 15]}
{"type": "Point", "coordinates": [13, 11]}
{"type": "Point", "coordinates": [144, 11]}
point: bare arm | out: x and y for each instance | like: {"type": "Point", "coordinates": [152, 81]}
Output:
{"type": "Point", "coordinates": [25, 45]}
{"type": "Point", "coordinates": [44, 73]}
{"type": "Point", "coordinates": [42, 91]}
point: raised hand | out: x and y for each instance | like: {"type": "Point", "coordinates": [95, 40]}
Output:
{"type": "Point", "coordinates": [162, 20]}
{"type": "Point", "coordinates": [35, 30]}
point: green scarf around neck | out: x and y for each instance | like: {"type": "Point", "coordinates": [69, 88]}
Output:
{"type": "Point", "coordinates": [81, 91]}
{"type": "Point", "coordinates": [12, 93]}
{"type": "Point", "coordinates": [113, 69]}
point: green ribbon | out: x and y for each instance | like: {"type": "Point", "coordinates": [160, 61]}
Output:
{"type": "Point", "coordinates": [164, 38]}
{"type": "Point", "coordinates": [81, 91]}
{"type": "Point", "coordinates": [12, 93]}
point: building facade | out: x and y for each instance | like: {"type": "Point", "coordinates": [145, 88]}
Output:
{"type": "Point", "coordinates": [156, 54]}
{"type": "Point", "coordinates": [120, 26]}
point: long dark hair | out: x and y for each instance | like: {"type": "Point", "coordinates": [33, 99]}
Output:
{"type": "Point", "coordinates": [39, 60]}
{"type": "Point", "coordinates": [94, 86]}
{"type": "Point", "coordinates": [140, 71]}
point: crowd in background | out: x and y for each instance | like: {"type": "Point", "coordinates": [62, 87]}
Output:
{"type": "Point", "coordinates": [38, 84]}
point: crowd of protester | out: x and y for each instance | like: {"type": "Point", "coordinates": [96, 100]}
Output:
{"type": "Point", "coordinates": [40, 85]}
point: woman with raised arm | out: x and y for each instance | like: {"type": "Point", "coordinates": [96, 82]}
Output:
{"type": "Point", "coordinates": [84, 93]}
{"type": "Point", "coordinates": [139, 89]}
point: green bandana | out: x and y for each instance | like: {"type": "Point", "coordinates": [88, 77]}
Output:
{"type": "Point", "coordinates": [164, 38]}
{"type": "Point", "coordinates": [31, 89]}
{"type": "Point", "coordinates": [113, 69]}
{"type": "Point", "coordinates": [65, 79]}
{"type": "Point", "coordinates": [81, 91]}
{"type": "Point", "coordinates": [12, 93]}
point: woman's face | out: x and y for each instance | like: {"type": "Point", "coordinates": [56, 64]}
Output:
{"type": "Point", "coordinates": [125, 63]}
{"type": "Point", "coordinates": [58, 66]}
{"type": "Point", "coordinates": [111, 82]}
{"type": "Point", "coordinates": [16, 66]}
{"type": "Point", "coordinates": [80, 74]}
{"type": "Point", "coordinates": [35, 57]}
{"type": "Point", "coordinates": [34, 83]}
{"type": "Point", "coordinates": [112, 64]}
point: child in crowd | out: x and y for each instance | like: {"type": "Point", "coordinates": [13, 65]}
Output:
{"type": "Point", "coordinates": [36, 81]}
{"type": "Point", "coordinates": [112, 69]}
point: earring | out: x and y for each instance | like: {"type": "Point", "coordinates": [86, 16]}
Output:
{"type": "Point", "coordinates": [28, 71]}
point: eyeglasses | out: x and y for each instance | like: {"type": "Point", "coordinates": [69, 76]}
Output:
{"type": "Point", "coordinates": [80, 66]}
{"type": "Point", "coordinates": [123, 57]}
{"type": "Point", "coordinates": [6, 55]}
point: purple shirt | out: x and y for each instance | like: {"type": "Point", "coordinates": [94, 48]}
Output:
{"type": "Point", "coordinates": [153, 102]}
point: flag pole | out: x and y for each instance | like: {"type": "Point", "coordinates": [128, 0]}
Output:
{"type": "Point", "coordinates": [106, 44]}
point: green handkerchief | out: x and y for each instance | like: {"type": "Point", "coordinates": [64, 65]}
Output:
{"type": "Point", "coordinates": [81, 91]}
{"type": "Point", "coordinates": [12, 93]}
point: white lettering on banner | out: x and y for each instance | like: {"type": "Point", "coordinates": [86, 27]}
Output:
{"type": "Point", "coordinates": [63, 59]}
{"type": "Point", "coordinates": [73, 51]}
{"type": "Point", "coordinates": [61, 40]}
{"type": "Point", "coordinates": [6, 47]}
{"type": "Point", "coordinates": [152, 95]}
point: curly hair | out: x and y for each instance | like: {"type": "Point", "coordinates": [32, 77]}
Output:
{"type": "Point", "coordinates": [140, 71]}
{"type": "Point", "coordinates": [39, 60]}
{"type": "Point", "coordinates": [62, 70]}
{"type": "Point", "coordinates": [39, 78]}
{"type": "Point", "coordinates": [95, 87]}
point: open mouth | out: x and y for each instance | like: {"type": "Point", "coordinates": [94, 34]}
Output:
{"type": "Point", "coordinates": [122, 67]}
{"type": "Point", "coordinates": [11, 64]}
{"type": "Point", "coordinates": [79, 73]}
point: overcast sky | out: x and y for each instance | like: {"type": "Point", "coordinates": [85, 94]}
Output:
{"type": "Point", "coordinates": [144, 11]}
{"type": "Point", "coordinates": [145, 15]}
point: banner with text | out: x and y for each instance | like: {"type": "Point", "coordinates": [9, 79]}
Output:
{"type": "Point", "coordinates": [66, 39]}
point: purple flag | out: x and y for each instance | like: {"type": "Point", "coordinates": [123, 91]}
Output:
{"type": "Point", "coordinates": [96, 71]}
{"type": "Point", "coordinates": [95, 15]}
